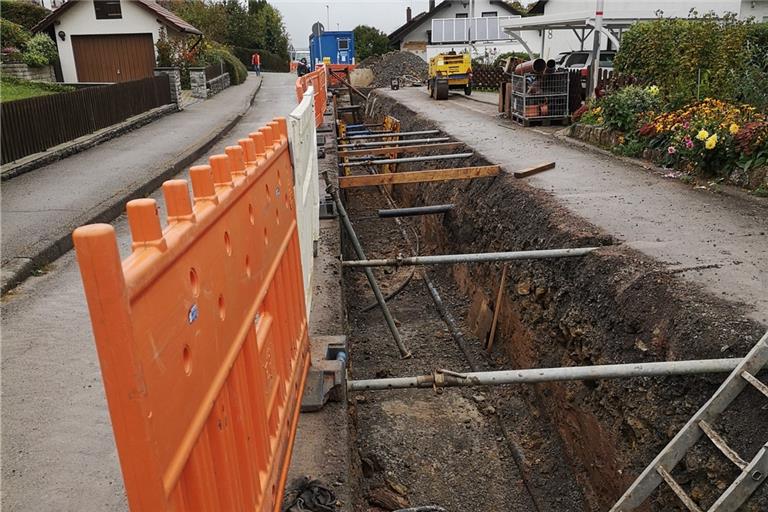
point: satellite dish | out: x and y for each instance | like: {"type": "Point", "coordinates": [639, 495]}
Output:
{"type": "Point", "coordinates": [317, 29]}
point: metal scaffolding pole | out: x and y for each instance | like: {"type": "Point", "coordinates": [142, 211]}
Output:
{"type": "Point", "coordinates": [416, 210]}
{"type": "Point", "coordinates": [446, 378]}
{"type": "Point", "coordinates": [481, 257]}
{"type": "Point", "coordinates": [361, 145]}
{"type": "Point", "coordinates": [404, 352]}
{"type": "Point", "coordinates": [406, 160]}
{"type": "Point", "coordinates": [392, 134]}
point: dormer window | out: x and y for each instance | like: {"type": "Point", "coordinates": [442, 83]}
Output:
{"type": "Point", "coordinates": [107, 9]}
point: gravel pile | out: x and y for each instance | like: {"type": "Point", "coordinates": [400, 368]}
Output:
{"type": "Point", "coordinates": [395, 65]}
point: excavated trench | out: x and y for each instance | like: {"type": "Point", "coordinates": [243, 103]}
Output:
{"type": "Point", "coordinates": [568, 446]}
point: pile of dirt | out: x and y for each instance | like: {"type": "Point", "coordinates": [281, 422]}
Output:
{"type": "Point", "coordinates": [395, 65]}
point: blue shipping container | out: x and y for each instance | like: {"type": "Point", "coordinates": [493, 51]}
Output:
{"type": "Point", "coordinates": [338, 46]}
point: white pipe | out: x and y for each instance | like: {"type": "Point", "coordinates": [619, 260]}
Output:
{"type": "Point", "coordinates": [596, 47]}
{"type": "Point", "coordinates": [480, 257]}
{"type": "Point", "coordinates": [444, 378]}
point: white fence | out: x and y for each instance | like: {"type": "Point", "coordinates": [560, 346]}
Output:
{"type": "Point", "coordinates": [461, 30]}
{"type": "Point", "coordinates": [302, 136]}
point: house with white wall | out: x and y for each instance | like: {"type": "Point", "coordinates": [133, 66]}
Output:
{"type": "Point", "coordinates": [543, 30]}
{"type": "Point", "coordinates": [416, 36]}
{"type": "Point", "coordinates": [110, 40]}
{"type": "Point", "coordinates": [549, 42]}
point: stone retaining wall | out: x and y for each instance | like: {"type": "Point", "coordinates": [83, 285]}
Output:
{"type": "Point", "coordinates": [757, 177]}
{"type": "Point", "coordinates": [24, 72]}
{"type": "Point", "coordinates": [218, 84]}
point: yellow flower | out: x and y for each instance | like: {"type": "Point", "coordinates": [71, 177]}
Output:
{"type": "Point", "coordinates": [711, 142]}
{"type": "Point", "coordinates": [654, 90]}
{"type": "Point", "coordinates": [734, 129]}
{"type": "Point", "coordinates": [702, 135]}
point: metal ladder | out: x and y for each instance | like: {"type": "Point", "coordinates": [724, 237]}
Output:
{"type": "Point", "coordinates": [753, 473]}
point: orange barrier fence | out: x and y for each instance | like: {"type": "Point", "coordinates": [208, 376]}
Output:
{"type": "Point", "coordinates": [318, 79]}
{"type": "Point", "coordinates": [342, 69]}
{"type": "Point", "coordinates": [202, 334]}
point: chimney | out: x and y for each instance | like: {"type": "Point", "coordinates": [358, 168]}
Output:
{"type": "Point", "coordinates": [408, 14]}
{"type": "Point", "coordinates": [431, 5]}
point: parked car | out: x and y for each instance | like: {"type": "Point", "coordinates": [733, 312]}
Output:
{"type": "Point", "coordinates": [582, 60]}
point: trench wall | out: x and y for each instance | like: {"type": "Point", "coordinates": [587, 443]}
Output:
{"type": "Point", "coordinates": [617, 306]}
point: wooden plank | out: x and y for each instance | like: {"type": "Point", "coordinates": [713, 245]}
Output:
{"type": "Point", "coordinates": [497, 308]}
{"type": "Point", "coordinates": [524, 173]}
{"type": "Point", "coordinates": [402, 149]}
{"type": "Point", "coordinates": [457, 173]}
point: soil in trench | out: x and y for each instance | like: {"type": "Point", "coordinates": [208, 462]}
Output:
{"type": "Point", "coordinates": [447, 449]}
{"type": "Point", "coordinates": [569, 446]}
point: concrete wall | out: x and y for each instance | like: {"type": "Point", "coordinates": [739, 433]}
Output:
{"type": "Point", "coordinates": [81, 19]}
{"type": "Point", "coordinates": [757, 9]}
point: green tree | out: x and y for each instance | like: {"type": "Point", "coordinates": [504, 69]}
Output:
{"type": "Point", "coordinates": [255, 25]}
{"type": "Point", "coordinates": [370, 41]}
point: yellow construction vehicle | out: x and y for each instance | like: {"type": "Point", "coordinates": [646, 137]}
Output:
{"type": "Point", "coordinates": [449, 71]}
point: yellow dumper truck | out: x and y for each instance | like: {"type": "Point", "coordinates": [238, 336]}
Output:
{"type": "Point", "coordinates": [449, 71]}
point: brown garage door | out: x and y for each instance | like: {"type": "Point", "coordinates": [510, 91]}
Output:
{"type": "Point", "coordinates": [113, 58]}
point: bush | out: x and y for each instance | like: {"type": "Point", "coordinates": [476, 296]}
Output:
{"type": "Point", "coordinates": [40, 51]}
{"type": "Point", "coordinates": [13, 34]}
{"type": "Point", "coordinates": [236, 69]}
{"type": "Point", "coordinates": [25, 14]}
{"type": "Point", "coordinates": [621, 108]}
{"type": "Point", "coordinates": [269, 60]}
{"type": "Point", "coordinates": [704, 57]}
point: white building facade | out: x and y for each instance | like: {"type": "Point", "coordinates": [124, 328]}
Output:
{"type": "Point", "coordinates": [110, 41]}
{"type": "Point", "coordinates": [417, 35]}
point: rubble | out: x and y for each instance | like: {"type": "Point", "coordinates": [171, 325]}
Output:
{"type": "Point", "coordinates": [395, 65]}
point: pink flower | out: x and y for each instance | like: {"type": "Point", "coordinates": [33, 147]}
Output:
{"type": "Point", "coordinates": [671, 150]}
{"type": "Point", "coordinates": [688, 142]}
{"type": "Point", "coordinates": [685, 125]}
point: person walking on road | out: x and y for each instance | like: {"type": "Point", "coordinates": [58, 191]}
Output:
{"type": "Point", "coordinates": [256, 63]}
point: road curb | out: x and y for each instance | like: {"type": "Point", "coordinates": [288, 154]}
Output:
{"type": "Point", "coordinates": [18, 269]}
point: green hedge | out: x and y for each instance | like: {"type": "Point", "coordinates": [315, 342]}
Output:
{"type": "Point", "coordinates": [697, 58]}
{"type": "Point", "coordinates": [269, 60]}
{"type": "Point", "coordinates": [237, 71]}
{"type": "Point", "coordinates": [25, 14]}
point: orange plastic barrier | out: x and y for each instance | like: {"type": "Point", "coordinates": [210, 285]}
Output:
{"type": "Point", "coordinates": [339, 68]}
{"type": "Point", "coordinates": [319, 80]}
{"type": "Point", "coordinates": [202, 334]}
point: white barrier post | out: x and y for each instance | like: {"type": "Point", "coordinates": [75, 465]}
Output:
{"type": "Point", "coordinates": [302, 137]}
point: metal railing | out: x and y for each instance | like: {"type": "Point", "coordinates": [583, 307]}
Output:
{"type": "Point", "coordinates": [460, 30]}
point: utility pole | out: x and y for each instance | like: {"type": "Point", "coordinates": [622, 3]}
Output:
{"type": "Point", "coordinates": [596, 46]}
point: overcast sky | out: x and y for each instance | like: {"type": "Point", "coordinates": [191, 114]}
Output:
{"type": "Point", "coordinates": [386, 15]}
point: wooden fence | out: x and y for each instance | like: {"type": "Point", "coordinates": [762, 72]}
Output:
{"type": "Point", "coordinates": [486, 76]}
{"type": "Point", "coordinates": [36, 124]}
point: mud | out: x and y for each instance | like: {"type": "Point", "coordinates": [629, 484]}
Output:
{"type": "Point", "coordinates": [559, 446]}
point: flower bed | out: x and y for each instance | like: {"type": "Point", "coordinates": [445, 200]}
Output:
{"type": "Point", "coordinates": [710, 138]}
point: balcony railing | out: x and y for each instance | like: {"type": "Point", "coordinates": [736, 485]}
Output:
{"type": "Point", "coordinates": [463, 30]}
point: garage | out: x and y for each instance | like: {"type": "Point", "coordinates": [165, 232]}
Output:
{"type": "Point", "coordinates": [113, 57]}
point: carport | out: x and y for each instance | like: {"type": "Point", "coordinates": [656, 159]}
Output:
{"type": "Point", "coordinates": [581, 23]}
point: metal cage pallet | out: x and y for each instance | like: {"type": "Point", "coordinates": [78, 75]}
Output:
{"type": "Point", "coordinates": [540, 98]}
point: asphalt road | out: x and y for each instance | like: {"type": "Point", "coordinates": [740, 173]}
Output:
{"type": "Point", "coordinates": [714, 240]}
{"type": "Point", "coordinates": [57, 446]}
